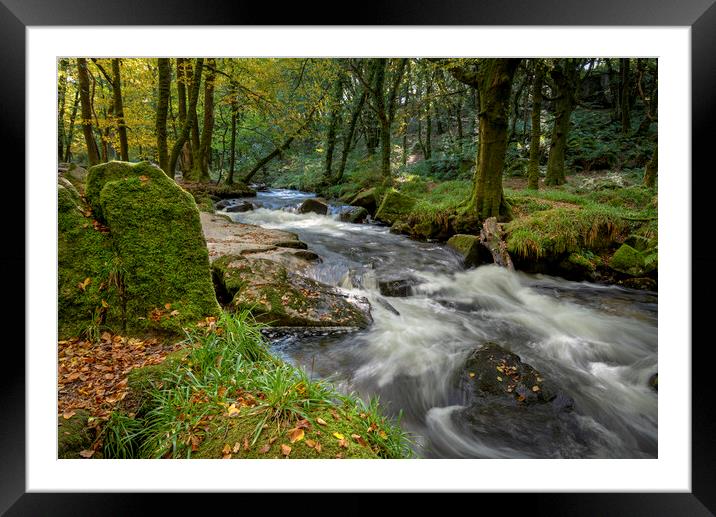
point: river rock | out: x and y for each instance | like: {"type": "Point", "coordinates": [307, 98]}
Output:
{"type": "Point", "coordinates": [394, 206]}
{"type": "Point", "coordinates": [313, 205]}
{"type": "Point", "coordinates": [224, 203]}
{"type": "Point", "coordinates": [278, 297]}
{"type": "Point", "coordinates": [241, 206]}
{"type": "Point", "coordinates": [160, 251]}
{"type": "Point", "coordinates": [353, 214]}
{"type": "Point", "coordinates": [398, 288]}
{"type": "Point", "coordinates": [367, 199]}
{"type": "Point", "coordinates": [629, 261]}
{"type": "Point", "coordinates": [470, 248]}
{"type": "Point", "coordinates": [491, 370]}
{"type": "Point", "coordinates": [223, 191]}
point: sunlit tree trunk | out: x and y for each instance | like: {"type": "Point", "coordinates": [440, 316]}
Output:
{"type": "Point", "coordinates": [119, 109]}
{"type": "Point", "coordinates": [334, 109]}
{"type": "Point", "coordinates": [83, 77]}
{"type": "Point", "coordinates": [63, 70]}
{"type": "Point", "coordinates": [164, 85]}
{"type": "Point", "coordinates": [651, 169]}
{"type": "Point", "coordinates": [182, 81]}
{"type": "Point", "coordinates": [71, 130]}
{"type": "Point", "coordinates": [191, 114]}
{"type": "Point", "coordinates": [202, 155]}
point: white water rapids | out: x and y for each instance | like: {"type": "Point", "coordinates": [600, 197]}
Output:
{"type": "Point", "coordinates": [598, 344]}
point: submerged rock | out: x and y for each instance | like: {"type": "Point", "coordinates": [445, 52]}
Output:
{"type": "Point", "coordinates": [281, 298]}
{"type": "Point", "coordinates": [401, 287]}
{"type": "Point", "coordinates": [493, 371]}
{"type": "Point", "coordinates": [315, 206]}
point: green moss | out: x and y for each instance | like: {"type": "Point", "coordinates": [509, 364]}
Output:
{"type": "Point", "coordinates": [156, 233]}
{"type": "Point", "coordinates": [205, 204]}
{"type": "Point", "coordinates": [73, 435]}
{"type": "Point", "coordinates": [585, 260]}
{"type": "Point", "coordinates": [628, 260]}
{"type": "Point", "coordinates": [84, 252]}
{"type": "Point", "coordinates": [394, 206]}
{"type": "Point", "coordinates": [564, 230]}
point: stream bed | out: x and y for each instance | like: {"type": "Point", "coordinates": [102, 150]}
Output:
{"type": "Point", "coordinates": [596, 343]}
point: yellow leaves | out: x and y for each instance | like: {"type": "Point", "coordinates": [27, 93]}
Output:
{"type": "Point", "coordinates": [472, 374]}
{"type": "Point", "coordinates": [310, 443]}
{"type": "Point", "coordinates": [83, 285]}
{"type": "Point", "coordinates": [535, 388]}
{"type": "Point", "coordinates": [232, 411]}
{"type": "Point", "coordinates": [339, 436]}
{"type": "Point", "coordinates": [383, 435]}
{"type": "Point", "coordinates": [226, 451]}
{"type": "Point", "coordinates": [320, 421]}
{"type": "Point", "coordinates": [285, 449]}
{"type": "Point", "coordinates": [499, 378]}
{"type": "Point", "coordinates": [105, 304]}
{"type": "Point", "coordinates": [295, 435]}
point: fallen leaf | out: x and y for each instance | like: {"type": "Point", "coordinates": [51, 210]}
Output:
{"type": "Point", "coordinates": [499, 378]}
{"type": "Point", "coordinates": [382, 434]}
{"type": "Point", "coordinates": [320, 421]}
{"type": "Point", "coordinates": [246, 443]}
{"type": "Point", "coordinates": [535, 388]}
{"type": "Point", "coordinates": [226, 457]}
{"type": "Point", "coordinates": [335, 414]}
{"type": "Point", "coordinates": [232, 410]}
{"type": "Point", "coordinates": [226, 449]}
{"type": "Point", "coordinates": [472, 374]}
{"type": "Point", "coordinates": [87, 453]}
{"type": "Point", "coordinates": [310, 443]}
{"type": "Point", "coordinates": [174, 313]}
{"type": "Point", "coordinates": [318, 448]}
{"type": "Point", "coordinates": [68, 414]}
{"type": "Point", "coordinates": [167, 305]}
{"type": "Point", "coordinates": [83, 285]}
{"type": "Point", "coordinates": [195, 442]}
{"type": "Point", "coordinates": [272, 439]}
{"type": "Point", "coordinates": [303, 424]}
{"type": "Point", "coordinates": [265, 449]}
{"type": "Point", "coordinates": [236, 448]}
{"type": "Point", "coordinates": [361, 441]}
{"type": "Point", "coordinates": [343, 443]}
{"type": "Point", "coordinates": [105, 304]}
{"type": "Point", "coordinates": [338, 435]}
{"type": "Point", "coordinates": [339, 456]}
{"type": "Point", "coordinates": [295, 435]}
{"type": "Point", "coordinates": [285, 449]}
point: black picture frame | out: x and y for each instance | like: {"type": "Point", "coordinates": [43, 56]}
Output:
{"type": "Point", "coordinates": [699, 15]}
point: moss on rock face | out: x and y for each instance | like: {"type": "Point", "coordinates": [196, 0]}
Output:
{"type": "Point", "coordinates": [280, 298]}
{"type": "Point", "coordinates": [368, 199]}
{"type": "Point", "coordinates": [73, 435]}
{"type": "Point", "coordinates": [156, 232]}
{"type": "Point", "coordinates": [470, 248]}
{"type": "Point", "coordinates": [85, 260]}
{"type": "Point", "coordinates": [393, 206]}
{"type": "Point", "coordinates": [628, 260]}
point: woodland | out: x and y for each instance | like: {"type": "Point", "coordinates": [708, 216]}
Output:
{"type": "Point", "coordinates": [357, 257]}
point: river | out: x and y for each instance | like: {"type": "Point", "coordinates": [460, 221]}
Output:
{"type": "Point", "coordinates": [597, 343]}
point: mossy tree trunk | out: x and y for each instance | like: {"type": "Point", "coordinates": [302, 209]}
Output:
{"type": "Point", "coordinates": [334, 115]}
{"type": "Point", "coordinates": [194, 140]}
{"type": "Point", "coordinates": [119, 109]}
{"type": "Point", "coordinates": [163, 92]}
{"type": "Point", "coordinates": [493, 77]}
{"type": "Point", "coordinates": [202, 153]}
{"type": "Point", "coordinates": [536, 130]}
{"type": "Point", "coordinates": [189, 122]}
{"type": "Point", "coordinates": [652, 168]}
{"type": "Point", "coordinates": [83, 78]}
{"type": "Point", "coordinates": [232, 155]}
{"type": "Point", "coordinates": [428, 148]}
{"type": "Point", "coordinates": [565, 77]}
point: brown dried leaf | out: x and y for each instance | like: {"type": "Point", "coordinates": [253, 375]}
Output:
{"type": "Point", "coordinates": [310, 443]}
{"type": "Point", "coordinates": [285, 449]}
{"type": "Point", "coordinates": [320, 421]}
{"type": "Point", "coordinates": [87, 453]}
{"type": "Point", "coordinates": [295, 435]}
{"type": "Point", "coordinates": [68, 414]}
{"type": "Point", "coordinates": [265, 449]}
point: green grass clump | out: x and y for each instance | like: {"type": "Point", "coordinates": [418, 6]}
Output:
{"type": "Point", "coordinates": [228, 390]}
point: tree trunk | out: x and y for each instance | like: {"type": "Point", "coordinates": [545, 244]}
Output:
{"type": "Point", "coordinates": [165, 77]}
{"type": "Point", "coordinates": [350, 132]}
{"type": "Point", "coordinates": [651, 169]}
{"type": "Point", "coordinates": [565, 78]}
{"type": "Point", "coordinates": [428, 149]}
{"type": "Point", "coordinates": [335, 108]}
{"type": "Point", "coordinates": [182, 81]}
{"type": "Point", "coordinates": [232, 158]}
{"type": "Point", "coordinates": [625, 93]}
{"type": "Point", "coordinates": [189, 122]}
{"type": "Point", "coordinates": [494, 79]}
{"type": "Point", "coordinates": [63, 71]}
{"type": "Point", "coordinates": [119, 109]}
{"type": "Point", "coordinates": [200, 171]}
{"type": "Point", "coordinates": [83, 76]}
{"type": "Point", "coordinates": [71, 130]}
{"type": "Point", "coordinates": [533, 167]}
{"type": "Point", "coordinates": [194, 140]}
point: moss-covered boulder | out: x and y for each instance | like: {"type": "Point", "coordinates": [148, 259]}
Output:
{"type": "Point", "coordinates": [86, 259]}
{"type": "Point", "coordinates": [74, 435]}
{"type": "Point", "coordinates": [222, 191]}
{"type": "Point", "coordinates": [628, 260]}
{"type": "Point", "coordinates": [280, 298]}
{"type": "Point", "coordinates": [353, 214]}
{"type": "Point", "coordinates": [162, 262]}
{"type": "Point", "coordinates": [394, 206]}
{"type": "Point", "coordinates": [472, 251]}
{"type": "Point", "coordinates": [368, 199]}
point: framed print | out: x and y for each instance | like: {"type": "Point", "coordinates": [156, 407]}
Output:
{"type": "Point", "coordinates": [667, 469]}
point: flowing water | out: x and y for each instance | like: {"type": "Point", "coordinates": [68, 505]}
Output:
{"type": "Point", "coordinates": [597, 343]}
